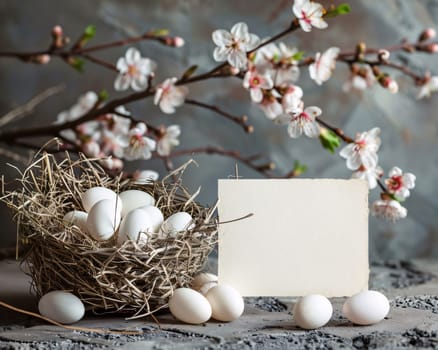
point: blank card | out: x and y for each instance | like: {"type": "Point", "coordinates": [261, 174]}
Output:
{"type": "Point", "coordinates": [304, 237]}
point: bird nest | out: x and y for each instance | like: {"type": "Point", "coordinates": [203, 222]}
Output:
{"type": "Point", "coordinates": [130, 279]}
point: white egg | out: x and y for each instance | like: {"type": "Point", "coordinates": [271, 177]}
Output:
{"type": "Point", "coordinates": [133, 199]}
{"type": "Point", "coordinates": [77, 218]}
{"type": "Point", "coordinates": [206, 287]}
{"type": "Point", "coordinates": [103, 220]}
{"type": "Point", "coordinates": [96, 194]}
{"type": "Point", "coordinates": [189, 306]}
{"type": "Point", "coordinates": [312, 311]}
{"type": "Point", "coordinates": [155, 214]}
{"type": "Point", "coordinates": [135, 222]}
{"type": "Point", "coordinates": [61, 306]}
{"type": "Point", "coordinates": [226, 303]}
{"type": "Point", "coordinates": [202, 279]}
{"type": "Point", "coordinates": [177, 222]}
{"type": "Point", "coordinates": [365, 308]}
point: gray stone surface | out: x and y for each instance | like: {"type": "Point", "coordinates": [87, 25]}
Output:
{"type": "Point", "coordinates": [409, 128]}
{"type": "Point", "coordinates": [266, 324]}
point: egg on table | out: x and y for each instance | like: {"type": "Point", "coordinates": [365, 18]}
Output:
{"type": "Point", "coordinates": [133, 224]}
{"type": "Point", "coordinates": [226, 303]}
{"type": "Point", "coordinates": [133, 199]}
{"type": "Point", "coordinates": [312, 311]}
{"type": "Point", "coordinates": [176, 223]}
{"type": "Point", "coordinates": [103, 220]}
{"type": "Point", "coordinates": [77, 218]}
{"type": "Point", "coordinates": [155, 215]}
{"type": "Point", "coordinates": [366, 308]}
{"type": "Point", "coordinates": [60, 306]}
{"type": "Point", "coordinates": [203, 282]}
{"type": "Point", "coordinates": [96, 194]}
{"type": "Point", "coordinates": [189, 306]}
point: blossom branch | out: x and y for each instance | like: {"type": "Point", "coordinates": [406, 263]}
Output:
{"type": "Point", "coordinates": [264, 169]}
{"type": "Point", "coordinates": [57, 48]}
{"type": "Point", "coordinates": [242, 121]}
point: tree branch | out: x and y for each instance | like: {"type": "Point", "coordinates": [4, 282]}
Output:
{"type": "Point", "coordinates": [238, 120]}
{"type": "Point", "coordinates": [263, 169]}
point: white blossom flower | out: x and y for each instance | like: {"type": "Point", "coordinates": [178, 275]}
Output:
{"type": "Point", "coordinates": [134, 71]}
{"type": "Point", "coordinates": [369, 174]}
{"type": "Point", "coordinates": [363, 151]}
{"type": "Point", "coordinates": [321, 70]}
{"type": "Point", "coordinates": [233, 46]}
{"type": "Point", "coordinates": [91, 148]}
{"type": "Point", "coordinates": [270, 105]}
{"type": "Point", "coordinates": [301, 121]}
{"type": "Point", "coordinates": [292, 97]}
{"type": "Point", "coordinates": [135, 144]}
{"type": "Point", "coordinates": [390, 210]}
{"type": "Point", "coordinates": [309, 14]}
{"type": "Point", "coordinates": [168, 95]}
{"type": "Point", "coordinates": [168, 140]}
{"type": "Point", "coordinates": [256, 83]}
{"type": "Point", "coordinates": [144, 176]}
{"type": "Point", "coordinates": [428, 88]}
{"type": "Point", "coordinates": [279, 62]}
{"type": "Point", "coordinates": [399, 184]}
{"type": "Point", "coordinates": [84, 104]}
{"type": "Point", "coordinates": [111, 163]}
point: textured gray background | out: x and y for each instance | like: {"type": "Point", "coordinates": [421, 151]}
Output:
{"type": "Point", "coordinates": [409, 128]}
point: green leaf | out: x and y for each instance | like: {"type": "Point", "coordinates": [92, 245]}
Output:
{"type": "Point", "coordinates": [189, 72]}
{"type": "Point", "coordinates": [89, 32]}
{"type": "Point", "coordinates": [342, 9]}
{"type": "Point", "coordinates": [299, 168]}
{"type": "Point", "coordinates": [298, 56]}
{"type": "Point", "coordinates": [329, 140]}
{"type": "Point", "coordinates": [159, 32]}
{"type": "Point", "coordinates": [103, 95]}
{"type": "Point", "coordinates": [77, 63]}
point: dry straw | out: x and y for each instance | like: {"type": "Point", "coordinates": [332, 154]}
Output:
{"type": "Point", "coordinates": [132, 279]}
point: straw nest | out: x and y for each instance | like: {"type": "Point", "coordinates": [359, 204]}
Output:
{"type": "Point", "coordinates": [134, 280]}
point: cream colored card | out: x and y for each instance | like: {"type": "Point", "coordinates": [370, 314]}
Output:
{"type": "Point", "coordinates": [305, 237]}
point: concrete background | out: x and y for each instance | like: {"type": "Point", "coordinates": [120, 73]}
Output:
{"type": "Point", "coordinates": [409, 128]}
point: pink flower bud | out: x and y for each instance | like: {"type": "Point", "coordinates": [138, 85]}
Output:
{"type": "Point", "coordinates": [432, 48]}
{"type": "Point", "coordinates": [44, 59]}
{"type": "Point", "coordinates": [234, 70]}
{"type": "Point", "coordinates": [57, 31]}
{"type": "Point", "coordinates": [393, 87]}
{"type": "Point", "coordinates": [389, 83]}
{"type": "Point", "coordinates": [427, 34]}
{"type": "Point", "coordinates": [178, 41]}
{"type": "Point", "coordinates": [384, 55]}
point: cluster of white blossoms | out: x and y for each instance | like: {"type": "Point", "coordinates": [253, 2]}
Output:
{"type": "Point", "coordinates": [115, 137]}
{"type": "Point", "coordinates": [270, 74]}
{"type": "Point", "coordinates": [361, 157]}
{"type": "Point", "coordinates": [136, 72]}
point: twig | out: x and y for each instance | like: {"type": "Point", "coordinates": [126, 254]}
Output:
{"type": "Point", "coordinates": [146, 36]}
{"type": "Point", "coordinates": [100, 62]}
{"type": "Point", "coordinates": [29, 106]}
{"type": "Point", "coordinates": [238, 120]}
{"type": "Point", "coordinates": [78, 51]}
{"type": "Point", "coordinates": [263, 169]}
